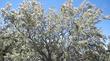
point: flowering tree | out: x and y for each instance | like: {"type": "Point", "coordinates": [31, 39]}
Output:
{"type": "Point", "coordinates": [30, 34]}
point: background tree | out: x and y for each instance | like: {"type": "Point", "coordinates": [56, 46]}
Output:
{"type": "Point", "coordinates": [31, 34]}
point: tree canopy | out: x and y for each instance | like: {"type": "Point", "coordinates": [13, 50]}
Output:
{"type": "Point", "coordinates": [70, 34]}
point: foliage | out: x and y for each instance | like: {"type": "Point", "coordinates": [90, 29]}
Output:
{"type": "Point", "coordinates": [31, 34]}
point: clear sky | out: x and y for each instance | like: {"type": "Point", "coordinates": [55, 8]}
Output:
{"type": "Point", "coordinates": [103, 4]}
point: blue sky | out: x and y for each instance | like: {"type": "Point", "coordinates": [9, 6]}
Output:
{"type": "Point", "coordinates": [103, 4]}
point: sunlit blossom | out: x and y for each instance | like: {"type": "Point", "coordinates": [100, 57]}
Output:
{"type": "Point", "coordinates": [8, 6]}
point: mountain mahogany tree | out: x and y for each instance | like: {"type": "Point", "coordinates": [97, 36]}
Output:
{"type": "Point", "coordinates": [31, 34]}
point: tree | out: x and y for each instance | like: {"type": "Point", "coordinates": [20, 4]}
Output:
{"type": "Point", "coordinates": [30, 34]}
